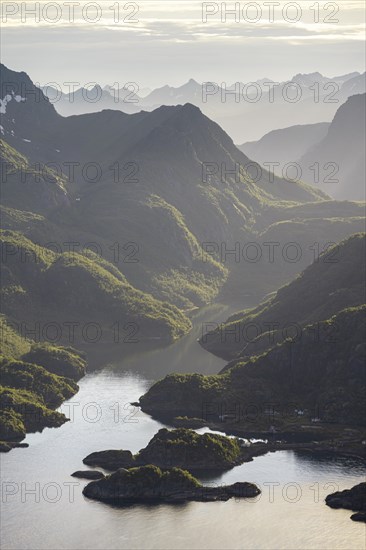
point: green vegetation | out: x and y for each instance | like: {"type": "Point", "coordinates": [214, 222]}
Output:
{"type": "Point", "coordinates": [318, 368]}
{"type": "Point", "coordinates": [170, 212]}
{"type": "Point", "coordinates": [151, 484]}
{"type": "Point", "coordinates": [149, 476]}
{"type": "Point", "coordinates": [49, 388]}
{"type": "Point", "coordinates": [57, 360]}
{"type": "Point", "coordinates": [148, 483]}
{"type": "Point", "coordinates": [25, 411]}
{"type": "Point", "coordinates": [36, 188]}
{"type": "Point", "coordinates": [38, 282]}
{"type": "Point", "coordinates": [167, 213]}
{"type": "Point", "coordinates": [12, 344]}
{"type": "Point", "coordinates": [11, 425]}
{"type": "Point", "coordinates": [336, 280]}
{"type": "Point", "coordinates": [187, 449]}
{"type": "Point", "coordinates": [29, 390]}
{"type": "Point", "coordinates": [181, 448]}
{"type": "Point", "coordinates": [323, 373]}
{"type": "Point", "coordinates": [286, 241]}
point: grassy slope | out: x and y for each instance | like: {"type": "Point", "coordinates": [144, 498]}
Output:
{"type": "Point", "coordinates": [33, 383]}
{"type": "Point", "coordinates": [38, 282]}
{"type": "Point", "coordinates": [334, 281]}
{"type": "Point", "coordinates": [322, 362]}
{"type": "Point", "coordinates": [323, 372]}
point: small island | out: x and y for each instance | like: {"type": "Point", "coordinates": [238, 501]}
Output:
{"type": "Point", "coordinates": [180, 448]}
{"type": "Point", "coordinates": [150, 484]}
{"type": "Point", "coordinates": [350, 499]}
{"type": "Point", "coordinates": [88, 474]}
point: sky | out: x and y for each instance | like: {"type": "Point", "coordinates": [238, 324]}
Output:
{"type": "Point", "coordinates": [153, 43]}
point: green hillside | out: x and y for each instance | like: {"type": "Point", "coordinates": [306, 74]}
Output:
{"type": "Point", "coordinates": [309, 356]}
{"type": "Point", "coordinates": [324, 376]}
{"type": "Point", "coordinates": [35, 380]}
{"type": "Point", "coordinates": [41, 285]}
{"type": "Point", "coordinates": [336, 280]}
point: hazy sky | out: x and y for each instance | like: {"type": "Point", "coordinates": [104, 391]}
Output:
{"type": "Point", "coordinates": [158, 42]}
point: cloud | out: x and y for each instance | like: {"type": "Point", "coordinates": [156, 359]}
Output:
{"type": "Point", "coordinates": [183, 20]}
{"type": "Point", "coordinates": [171, 43]}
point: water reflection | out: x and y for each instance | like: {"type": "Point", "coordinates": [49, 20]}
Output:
{"type": "Point", "coordinates": [101, 420]}
{"type": "Point", "coordinates": [185, 355]}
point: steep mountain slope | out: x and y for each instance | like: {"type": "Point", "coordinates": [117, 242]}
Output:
{"type": "Point", "coordinates": [44, 287]}
{"type": "Point", "coordinates": [30, 127]}
{"type": "Point", "coordinates": [323, 378]}
{"type": "Point", "coordinates": [344, 148]}
{"type": "Point", "coordinates": [145, 236]}
{"type": "Point", "coordinates": [250, 110]}
{"type": "Point", "coordinates": [157, 187]}
{"type": "Point", "coordinates": [34, 381]}
{"type": "Point", "coordinates": [333, 282]}
{"type": "Point", "coordinates": [286, 145]}
{"type": "Point", "coordinates": [246, 110]}
{"type": "Point", "coordinates": [33, 188]}
{"type": "Point", "coordinates": [91, 100]}
{"type": "Point", "coordinates": [318, 368]}
{"type": "Point", "coordinates": [190, 92]}
{"type": "Point", "coordinates": [285, 248]}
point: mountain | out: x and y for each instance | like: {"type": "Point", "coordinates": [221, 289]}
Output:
{"type": "Point", "coordinates": [317, 369]}
{"type": "Point", "coordinates": [35, 380]}
{"type": "Point", "coordinates": [246, 110]}
{"type": "Point", "coordinates": [191, 92]}
{"type": "Point", "coordinates": [303, 389]}
{"type": "Point", "coordinates": [286, 247]}
{"type": "Point", "coordinates": [286, 145]}
{"type": "Point", "coordinates": [344, 148]}
{"type": "Point", "coordinates": [353, 86]}
{"type": "Point", "coordinates": [302, 100]}
{"type": "Point", "coordinates": [30, 187]}
{"type": "Point", "coordinates": [333, 282]}
{"type": "Point", "coordinates": [44, 287]}
{"type": "Point", "coordinates": [91, 100]}
{"type": "Point", "coordinates": [36, 115]}
{"type": "Point", "coordinates": [336, 148]}
{"type": "Point", "coordinates": [164, 186]}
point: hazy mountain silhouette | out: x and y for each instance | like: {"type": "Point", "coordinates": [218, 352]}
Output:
{"type": "Point", "coordinates": [246, 111]}
{"type": "Point", "coordinates": [181, 182]}
{"type": "Point", "coordinates": [343, 148]}
{"type": "Point", "coordinates": [285, 145]}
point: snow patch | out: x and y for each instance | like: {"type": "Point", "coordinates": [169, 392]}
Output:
{"type": "Point", "coordinates": [27, 140]}
{"type": "Point", "coordinates": [2, 130]}
{"type": "Point", "coordinates": [4, 102]}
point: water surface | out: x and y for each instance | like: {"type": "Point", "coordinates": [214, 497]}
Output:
{"type": "Point", "coordinates": [41, 510]}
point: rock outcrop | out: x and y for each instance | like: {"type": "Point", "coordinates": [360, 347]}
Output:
{"type": "Point", "coordinates": [88, 474]}
{"type": "Point", "coordinates": [150, 484]}
{"type": "Point", "coordinates": [181, 448]}
{"type": "Point", "coordinates": [351, 499]}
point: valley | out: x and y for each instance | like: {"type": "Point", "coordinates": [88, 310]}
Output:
{"type": "Point", "coordinates": [182, 317]}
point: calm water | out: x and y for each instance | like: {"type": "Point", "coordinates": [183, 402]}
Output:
{"type": "Point", "coordinates": [40, 509]}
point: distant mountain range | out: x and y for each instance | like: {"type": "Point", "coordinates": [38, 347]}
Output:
{"type": "Point", "coordinates": [343, 150]}
{"type": "Point", "coordinates": [331, 156]}
{"type": "Point", "coordinates": [285, 145]}
{"type": "Point", "coordinates": [246, 111]}
{"type": "Point", "coordinates": [160, 188]}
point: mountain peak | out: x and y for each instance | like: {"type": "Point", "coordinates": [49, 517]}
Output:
{"type": "Point", "coordinates": [189, 107]}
